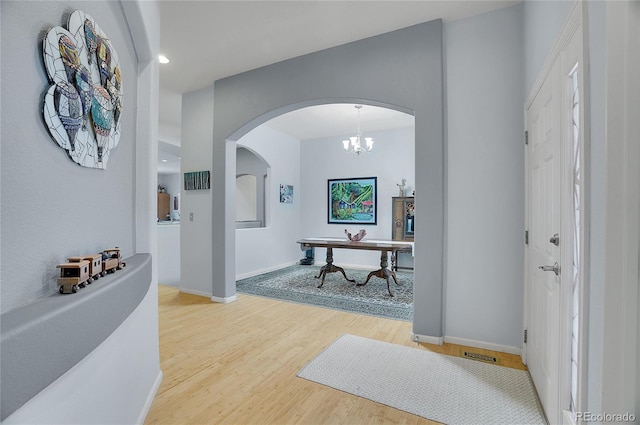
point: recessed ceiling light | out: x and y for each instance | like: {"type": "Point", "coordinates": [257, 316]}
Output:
{"type": "Point", "coordinates": [163, 59]}
{"type": "Point", "coordinates": [164, 160]}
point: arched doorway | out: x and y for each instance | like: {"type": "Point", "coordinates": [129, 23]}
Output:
{"type": "Point", "coordinates": [404, 71]}
{"type": "Point", "coordinates": [304, 149]}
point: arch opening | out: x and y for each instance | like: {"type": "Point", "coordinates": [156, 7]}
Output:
{"type": "Point", "coordinates": [318, 158]}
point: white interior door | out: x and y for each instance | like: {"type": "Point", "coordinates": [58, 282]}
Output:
{"type": "Point", "coordinates": [544, 126]}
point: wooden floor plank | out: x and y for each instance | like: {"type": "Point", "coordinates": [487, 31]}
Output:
{"type": "Point", "coordinates": [236, 363]}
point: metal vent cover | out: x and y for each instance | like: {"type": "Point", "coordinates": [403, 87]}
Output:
{"type": "Point", "coordinates": [481, 357]}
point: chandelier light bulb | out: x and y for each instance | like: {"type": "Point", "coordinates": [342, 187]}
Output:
{"type": "Point", "coordinates": [369, 142]}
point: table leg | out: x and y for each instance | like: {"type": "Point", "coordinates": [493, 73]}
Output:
{"type": "Point", "coordinates": [330, 268]}
{"type": "Point", "coordinates": [383, 272]}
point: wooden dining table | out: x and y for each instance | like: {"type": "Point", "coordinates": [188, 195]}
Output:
{"type": "Point", "coordinates": [384, 246]}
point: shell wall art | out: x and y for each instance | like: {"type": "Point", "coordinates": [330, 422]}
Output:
{"type": "Point", "coordinates": [83, 106]}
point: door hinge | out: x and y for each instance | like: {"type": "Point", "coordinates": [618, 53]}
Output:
{"type": "Point", "coordinates": [526, 237]}
{"type": "Point", "coordinates": [525, 336]}
{"type": "Point", "coordinates": [526, 137]}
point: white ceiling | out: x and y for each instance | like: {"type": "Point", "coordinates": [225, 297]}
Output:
{"type": "Point", "coordinates": [168, 158]}
{"type": "Point", "coordinates": [210, 40]}
{"type": "Point", "coordinates": [320, 121]}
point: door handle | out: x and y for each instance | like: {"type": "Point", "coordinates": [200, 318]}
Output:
{"type": "Point", "coordinates": [555, 268]}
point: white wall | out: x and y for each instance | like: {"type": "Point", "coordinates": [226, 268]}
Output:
{"type": "Point", "coordinates": [170, 110]}
{"type": "Point", "coordinates": [391, 160]}
{"type": "Point", "coordinates": [485, 178]}
{"type": "Point", "coordinates": [262, 249]}
{"type": "Point", "coordinates": [169, 254]}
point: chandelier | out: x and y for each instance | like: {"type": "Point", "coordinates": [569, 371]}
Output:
{"type": "Point", "coordinates": [354, 144]}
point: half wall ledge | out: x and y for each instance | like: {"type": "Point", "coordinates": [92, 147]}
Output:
{"type": "Point", "coordinates": [42, 340]}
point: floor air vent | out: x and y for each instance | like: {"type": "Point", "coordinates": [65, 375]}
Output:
{"type": "Point", "coordinates": [481, 357]}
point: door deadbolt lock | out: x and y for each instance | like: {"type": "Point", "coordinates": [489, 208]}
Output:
{"type": "Point", "coordinates": [555, 268]}
{"type": "Point", "coordinates": [555, 239]}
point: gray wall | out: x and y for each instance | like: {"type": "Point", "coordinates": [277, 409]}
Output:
{"type": "Point", "coordinates": [402, 69]}
{"type": "Point", "coordinates": [195, 225]}
{"type": "Point", "coordinates": [596, 197]}
{"type": "Point", "coordinates": [48, 213]}
{"type": "Point", "coordinates": [51, 207]}
{"type": "Point", "coordinates": [543, 21]}
{"type": "Point", "coordinates": [485, 178]}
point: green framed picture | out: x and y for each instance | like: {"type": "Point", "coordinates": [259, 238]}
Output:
{"type": "Point", "coordinates": [352, 201]}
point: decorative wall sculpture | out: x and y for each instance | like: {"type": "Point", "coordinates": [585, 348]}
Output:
{"type": "Point", "coordinates": [83, 106]}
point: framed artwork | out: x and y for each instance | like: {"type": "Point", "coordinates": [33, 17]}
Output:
{"type": "Point", "coordinates": [197, 180]}
{"type": "Point", "coordinates": [352, 201]}
{"type": "Point", "coordinates": [286, 194]}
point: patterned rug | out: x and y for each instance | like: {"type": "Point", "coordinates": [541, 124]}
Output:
{"type": "Point", "coordinates": [447, 389]}
{"type": "Point", "coordinates": [298, 284]}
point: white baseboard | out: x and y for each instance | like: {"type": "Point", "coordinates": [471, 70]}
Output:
{"type": "Point", "coordinates": [208, 295]}
{"type": "Point", "coordinates": [194, 292]}
{"type": "Point", "coordinates": [265, 270]}
{"type": "Point", "coordinates": [150, 397]}
{"type": "Point", "coordinates": [485, 345]}
{"type": "Point", "coordinates": [437, 340]}
{"type": "Point", "coordinates": [466, 342]}
{"type": "Point", "coordinates": [224, 300]}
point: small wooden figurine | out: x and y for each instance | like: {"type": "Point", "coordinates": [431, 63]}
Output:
{"type": "Point", "coordinates": [80, 271]}
{"type": "Point", "coordinates": [95, 266]}
{"type": "Point", "coordinates": [112, 260]}
{"type": "Point", "coordinates": [72, 275]}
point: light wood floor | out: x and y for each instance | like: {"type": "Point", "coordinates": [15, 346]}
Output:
{"type": "Point", "coordinates": [236, 363]}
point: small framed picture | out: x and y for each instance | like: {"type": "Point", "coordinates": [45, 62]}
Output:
{"type": "Point", "coordinates": [197, 180]}
{"type": "Point", "coordinates": [286, 194]}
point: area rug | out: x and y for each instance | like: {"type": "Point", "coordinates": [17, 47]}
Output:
{"type": "Point", "coordinates": [298, 284]}
{"type": "Point", "coordinates": [442, 388]}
